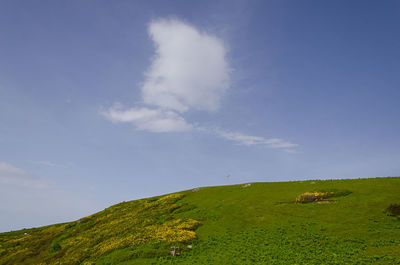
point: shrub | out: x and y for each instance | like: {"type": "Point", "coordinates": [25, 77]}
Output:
{"type": "Point", "coordinates": [312, 196]}
{"type": "Point", "coordinates": [55, 247]}
{"type": "Point", "coordinates": [393, 209]}
{"type": "Point", "coordinates": [320, 195]}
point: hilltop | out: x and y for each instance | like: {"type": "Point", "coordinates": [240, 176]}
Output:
{"type": "Point", "coordinates": [344, 222]}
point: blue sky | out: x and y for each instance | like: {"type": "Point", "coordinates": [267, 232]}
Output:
{"type": "Point", "coordinates": [105, 101]}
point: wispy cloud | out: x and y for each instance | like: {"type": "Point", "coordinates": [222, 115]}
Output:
{"type": "Point", "coordinates": [153, 120]}
{"type": "Point", "coordinates": [249, 140]}
{"type": "Point", "coordinates": [10, 175]}
{"type": "Point", "coordinates": [24, 194]}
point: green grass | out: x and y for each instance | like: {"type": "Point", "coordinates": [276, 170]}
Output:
{"type": "Point", "coordinates": [258, 224]}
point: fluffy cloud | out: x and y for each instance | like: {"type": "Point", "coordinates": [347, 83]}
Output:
{"type": "Point", "coordinates": [256, 140]}
{"type": "Point", "coordinates": [10, 175]}
{"type": "Point", "coordinates": [189, 69]}
{"type": "Point", "coordinates": [154, 120]}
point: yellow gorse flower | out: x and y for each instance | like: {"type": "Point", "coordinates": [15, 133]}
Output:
{"type": "Point", "coordinates": [123, 225]}
{"type": "Point", "coordinates": [313, 196]}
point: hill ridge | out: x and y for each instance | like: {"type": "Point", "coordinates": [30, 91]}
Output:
{"type": "Point", "coordinates": [231, 224]}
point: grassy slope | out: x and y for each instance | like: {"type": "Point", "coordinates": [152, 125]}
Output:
{"type": "Point", "coordinates": [239, 225]}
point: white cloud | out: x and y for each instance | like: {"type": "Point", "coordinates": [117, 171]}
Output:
{"type": "Point", "coordinates": [10, 175]}
{"type": "Point", "coordinates": [189, 69]}
{"type": "Point", "coordinates": [256, 140]}
{"type": "Point", "coordinates": [154, 120]}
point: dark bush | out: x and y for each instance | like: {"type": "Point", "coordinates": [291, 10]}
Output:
{"type": "Point", "coordinates": [394, 209]}
{"type": "Point", "coordinates": [55, 247]}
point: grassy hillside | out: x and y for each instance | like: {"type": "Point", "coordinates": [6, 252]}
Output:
{"type": "Point", "coordinates": [260, 223]}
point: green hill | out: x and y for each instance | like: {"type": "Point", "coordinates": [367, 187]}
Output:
{"type": "Point", "coordinates": [344, 222]}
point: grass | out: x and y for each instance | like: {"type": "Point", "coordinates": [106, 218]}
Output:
{"type": "Point", "coordinates": [235, 224]}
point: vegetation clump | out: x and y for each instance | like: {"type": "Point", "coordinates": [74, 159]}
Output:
{"type": "Point", "coordinates": [314, 196]}
{"type": "Point", "coordinates": [55, 247]}
{"type": "Point", "coordinates": [393, 209]}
